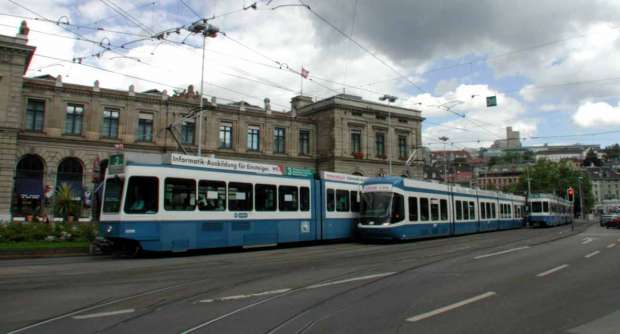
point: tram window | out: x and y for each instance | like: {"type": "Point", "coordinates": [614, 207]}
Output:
{"type": "Point", "coordinates": [112, 196]}
{"type": "Point", "coordinates": [483, 211]}
{"type": "Point", "coordinates": [444, 209]}
{"type": "Point", "coordinates": [493, 212]}
{"type": "Point", "coordinates": [413, 209]}
{"type": "Point", "coordinates": [501, 210]}
{"type": "Point", "coordinates": [287, 198]}
{"type": "Point", "coordinates": [434, 209]}
{"type": "Point", "coordinates": [304, 199]}
{"type": "Point", "coordinates": [212, 196]}
{"type": "Point", "coordinates": [342, 200]}
{"type": "Point", "coordinates": [141, 195]}
{"type": "Point", "coordinates": [239, 196]}
{"type": "Point", "coordinates": [265, 196]}
{"type": "Point", "coordinates": [472, 210]}
{"type": "Point", "coordinates": [465, 211]}
{"type": "Point", "coordinates": [423, 209]}
{"type": "Point", "coordinates": [509, 207]}
{"type": "Point", "coordinates": [330, 198]}
{"type": "Point", "coordinates": [179, 194]}
{"type": "Point", "coordinates": [489, 214]}
{"type": "Point", "coordinates": [545, 206]}
{"type": "Point", "coordinates": [459, 210]}
{"type": "Point", "coordinates": [536, 207]}
{"type": "Point", "coordinates": [355, 201]}
{"type": "Point", "coordinates": [398, 208]}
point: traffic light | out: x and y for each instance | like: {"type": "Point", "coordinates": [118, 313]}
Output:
{"type": "Point", "coordinates": [571, 193]}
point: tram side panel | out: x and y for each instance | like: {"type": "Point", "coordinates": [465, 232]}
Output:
{"type": "Point", "coordinates": [341, 205]}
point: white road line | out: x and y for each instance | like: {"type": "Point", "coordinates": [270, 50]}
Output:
{"type": "Point", "coordinates": [618, 240]}
{"type": "Point", "coordinates": [592, 254]}
{"type": "Point", "coordinates": [258, 294]}
{"type": "Point", "coordinates": [586, 241]}
{"type": "Point", "coordinates": [501, 252]}
{"type": "Point", "coordinates": [612, 245]}
{"type": "Point", "coordinates": [361, 278]}
{"type": "Point", "coordinates": [103, 314]}
{"type": "Point", "coordinates": [451, 307]}
{"type": "Point", "coordinates": [551, 271]}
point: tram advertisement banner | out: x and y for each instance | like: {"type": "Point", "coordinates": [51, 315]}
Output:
{"type": "Point", "coordinates": [206, 162]}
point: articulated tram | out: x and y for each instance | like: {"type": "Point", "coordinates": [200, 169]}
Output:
{"type": "Point", "coordinates": [396, 208]}
{"type": "Point", "coordinates": [185, 202]}
{"type": "Point", "coordinates": [549, 210]}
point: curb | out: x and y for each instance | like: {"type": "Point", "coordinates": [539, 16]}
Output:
{"type": "Point", "coordinates": [38, 253]}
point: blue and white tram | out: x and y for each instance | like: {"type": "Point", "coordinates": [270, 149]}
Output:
{"type": "Point", "coordinates": [400, 208]}
{"type": "Point", "coordinates": [195, 203]}
{"type": "Point", "coordinates": [549, 210]}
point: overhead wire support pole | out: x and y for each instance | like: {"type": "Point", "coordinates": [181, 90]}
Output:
{"type": "Point", "coordinates": [202, 83]}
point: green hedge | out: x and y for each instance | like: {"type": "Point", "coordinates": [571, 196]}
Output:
{"type": "Point", "coordinates": [20, 232]}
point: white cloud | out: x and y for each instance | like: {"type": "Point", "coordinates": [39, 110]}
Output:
{"type": "Point", "coordinates": [599, 114]}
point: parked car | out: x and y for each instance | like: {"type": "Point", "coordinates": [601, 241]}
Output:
{"type": "Point", "coordinates": [607, 217]}
{"type": "Point", "coordinates": [615, 223]}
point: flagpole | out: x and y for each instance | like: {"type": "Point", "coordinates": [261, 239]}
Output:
{"type": "Point", "coordinates": [301, 81]}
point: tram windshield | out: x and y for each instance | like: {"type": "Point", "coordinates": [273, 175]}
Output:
{"type": "Point", "coordinates": [383, 205]}
{"type": "Point", "coordinates": [376, 204]}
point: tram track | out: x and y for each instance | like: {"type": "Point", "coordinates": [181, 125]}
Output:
{"type": "Point", "coordinates": [317, 258]}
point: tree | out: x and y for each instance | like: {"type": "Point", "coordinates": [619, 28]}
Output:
{"type": "Point", "coordinates": [64, 205]}
{"type": "Point", "coordinates": [555, 178]}
{"type": "Point", "coordinates": [612, 152]}
{"type": "Point", "coordinates": [592, 159]}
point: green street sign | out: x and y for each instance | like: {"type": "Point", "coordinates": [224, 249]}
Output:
{"type": "Point", "coordinates": [491, 101]}
{"type": "Point", "coordinates": [294, 171]}
{"type": "Point", "coordinates": [116, 164]}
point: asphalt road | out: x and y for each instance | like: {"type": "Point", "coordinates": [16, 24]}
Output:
{"type": "Point", "coordinates": [548, 280]}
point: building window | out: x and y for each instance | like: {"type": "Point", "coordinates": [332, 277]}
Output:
{"type": "Point", "coordinates": [110, 122]}
{"type": "Point", "coordinates": [187, 132]}
{"type": "Point", "coordinates": [73, 119]}
{"type": "Point", "coordinates": [34, 115]}
{"type": "Point", "coordinates": [402, 147]}
{"type": "Point", "coordinates": [145, 127]}
{"type": "Point", "coordinates": [253, 138]}
{"type": "Point", "coordinates": [356, 141]}
{"type": "Point", "coordinates": [304, 142]}
{"type": "Point", "coordinates": [380, 144]}
{"type": "Point", "coordinates": [226, 135]}
{"type": "Point", "coordinates": [279, 140]}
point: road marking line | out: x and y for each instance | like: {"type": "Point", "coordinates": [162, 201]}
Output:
{"type": "Point", "coordinates": [612, 245]}
{"type": "Point", "coordinates": [592, 254]}
{"type": "Point", "coordinates": [103, 314]}
{"type": "Point", "coordinates": [586, 241]}
{"type": "Point", "coordinates": [618, 240]}
{"type": "Point", "coordinates": [451, 307]}
{"type": "Point", "coordinates": [551, 271]}
{"type": "Point", "coordinates": [501, 252]}
{"type": "Point", "coordinates": [361, 278]}
{"type": "Point", "coordinates": [258, 294]}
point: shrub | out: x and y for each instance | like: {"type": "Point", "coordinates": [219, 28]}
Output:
{"type": "Point", "coordinates": [16, 232]}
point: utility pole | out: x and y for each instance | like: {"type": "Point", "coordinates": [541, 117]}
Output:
{"type": "Point", "coordinates": [444, 139]}
{"type": "Point", "coordinates": [581, 215]}
{"type": "Point", "coordinates": [207, 30]}
{"type": "Point", "coordinates": [389, 99]}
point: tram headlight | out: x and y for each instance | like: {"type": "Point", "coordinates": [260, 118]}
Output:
{"type": "Point", "coordinates": [108, 229]}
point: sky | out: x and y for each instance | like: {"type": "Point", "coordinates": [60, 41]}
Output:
{"type": "Point", "coordinates": [553, 65]}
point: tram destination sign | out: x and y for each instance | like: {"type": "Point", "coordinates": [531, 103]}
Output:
{"type": "Point", "coordinates": [233, 165]}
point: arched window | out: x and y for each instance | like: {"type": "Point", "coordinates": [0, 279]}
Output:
{"type": "Point", "coordinates": [70, 171]}
{"type": "Point", "coordinates": [28, 185]}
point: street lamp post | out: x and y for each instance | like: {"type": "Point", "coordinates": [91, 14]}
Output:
{"type": "Point", "coordinates": [207, 30]}
{"type": "Point", "coordinates": [444, 139]}
{"type": "Point", "coordinates": [581, 215]}
{"type": "Point", "coordinates": [389, 99]}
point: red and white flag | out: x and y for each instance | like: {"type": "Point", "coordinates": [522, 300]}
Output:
{"type": "Point", "coordinates": [304, 73]}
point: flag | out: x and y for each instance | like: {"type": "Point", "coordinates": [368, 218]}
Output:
{"type": "Point", "coordinates": [304, 73]}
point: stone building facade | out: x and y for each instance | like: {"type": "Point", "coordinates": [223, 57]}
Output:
{"type": "Point", "coordinates": [52, 132]}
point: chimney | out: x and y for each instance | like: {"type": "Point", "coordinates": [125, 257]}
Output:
{"type": "Point", "coordinates": [59, 81]}
{"type": "Point", "coordinates": [267, 106]}
{"type": "Point", "coordinates": [241, 106]}
{"type": "Point", "coordinates": [164, 95]}
{"type": "Point", "coordinates": [299, 102]}
{"type": "Point", "coordinates": [214, 101]}
{"type": "Point", "coordinates": [96, 86]}
{"type": "Point", "coordinates": [23, 31]}
{"type": "Point", "coordinates": [132, 90]}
